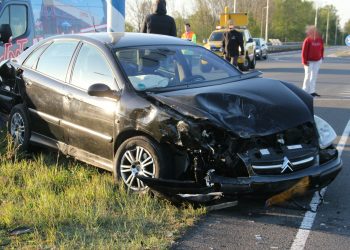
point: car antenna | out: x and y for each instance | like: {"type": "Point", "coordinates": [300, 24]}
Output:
{"type": "Point", "coordinates": [93, 23]}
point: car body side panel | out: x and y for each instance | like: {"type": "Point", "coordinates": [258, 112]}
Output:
{"type": "Point", "coordinates": [45, 110]}
{"type": "Point", "coordinates": [89, 122]}
{"type": "Point", "coordinates": [135, 113]}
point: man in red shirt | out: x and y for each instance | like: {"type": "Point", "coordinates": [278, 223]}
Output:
{"type": "Point", "coordinates": [312, 56]}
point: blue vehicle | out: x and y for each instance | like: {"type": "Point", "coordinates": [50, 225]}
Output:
{"type": "Point", "coordinates": [25, 22]}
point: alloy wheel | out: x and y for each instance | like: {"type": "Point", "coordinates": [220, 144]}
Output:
{"type": "Point", "coordinates": [17, 128]}
{"type": "Point", "coordinates": [136, 161]}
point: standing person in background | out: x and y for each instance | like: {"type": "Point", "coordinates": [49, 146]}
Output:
{"type": "Point", "coordinates": [312, 56]}
{"type": "Point", "coordinates": [159, 22]}
{"type": "Point", "coordinates": [232, 40]}
{"type": "Point", "coordinates": [189, 34]}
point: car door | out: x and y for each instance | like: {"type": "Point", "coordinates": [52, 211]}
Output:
{"type": "Point", "coordinates": [250, 45]}
{"type": "Point", "coordinates": [44, 80]}
{"type": "Point", "coordinates": [90, 119]}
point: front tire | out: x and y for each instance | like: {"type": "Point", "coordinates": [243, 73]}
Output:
{"type": "Point", "coordinates": [253, 62]}
{"type": "Point", "coordinates": [265, 57]}
{"type": "Point", "coordinates": [139, 156]}
{"type": "Point", "coordinates": [19, 127]}
{"type": "Point", "coordinates": [245, 65]}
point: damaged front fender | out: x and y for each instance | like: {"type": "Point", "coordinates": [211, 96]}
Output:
{"type": "Point", "coordinates": [10, 93]}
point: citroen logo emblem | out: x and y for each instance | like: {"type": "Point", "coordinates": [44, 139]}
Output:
{"type": "Point", "coordinates": [286, 165]}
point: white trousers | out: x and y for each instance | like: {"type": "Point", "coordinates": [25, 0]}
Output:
{"type": "Point", "coordinates": [311, 72]}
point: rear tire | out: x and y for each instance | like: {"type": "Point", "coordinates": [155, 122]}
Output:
{"type": "Point", "coordinates": [139, 155]}
{"type": "Point", "coordinates": [18, 127]}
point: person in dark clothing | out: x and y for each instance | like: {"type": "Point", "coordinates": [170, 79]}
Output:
{"type": "Point", "coordinates": [232, 40]}
{"type": "Point", "coordinates": [159, 22]}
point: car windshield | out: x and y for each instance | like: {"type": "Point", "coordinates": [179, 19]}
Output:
{"type": "Point", "coordinates": [157, 67]}
{"type": "Point", "coordinates": [216, 36]}
{"type": "Point", "coordinates": [257, 42]}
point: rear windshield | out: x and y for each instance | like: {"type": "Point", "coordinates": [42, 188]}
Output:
{"type": "Point", "coordinates": [157, 67]}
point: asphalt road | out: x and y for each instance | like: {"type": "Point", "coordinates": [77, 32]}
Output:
{"type": "Point", "coordinates": [252, 226]}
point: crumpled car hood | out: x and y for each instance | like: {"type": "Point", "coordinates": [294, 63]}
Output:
{"type": "Point", "coordinates": [252, 107]}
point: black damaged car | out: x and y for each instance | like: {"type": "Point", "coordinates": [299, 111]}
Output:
{"type": "Point", "coordinates": [164, 113]}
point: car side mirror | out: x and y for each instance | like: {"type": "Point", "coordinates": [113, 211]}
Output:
{"type": "Point", "coordinates": [5, 33]}
{"type": "Point", "coordinates": [102, 90]}
{"type": "Point", "coordinates": [250, 40]}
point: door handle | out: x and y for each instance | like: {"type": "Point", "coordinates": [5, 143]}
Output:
{"type": "Point", "coordinates": [69, 97]}
{"type": "Point", "coordinates": [28, 83]}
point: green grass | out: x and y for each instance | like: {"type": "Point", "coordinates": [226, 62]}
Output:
{"type": "Point", "coordinates": [69, 205]}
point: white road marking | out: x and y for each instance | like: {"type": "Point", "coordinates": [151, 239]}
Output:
{"type": "Point", "coordinates": [347, 93]}
{"type": "Point", "coordinates": [309, 218]}
{"type": "Point", "coordinates": [336, 97]}
{"type": "Point", "coordinates": [277, 59]}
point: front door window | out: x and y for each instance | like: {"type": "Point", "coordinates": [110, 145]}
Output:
{"type": "Point", "coordinates": [16, 16]}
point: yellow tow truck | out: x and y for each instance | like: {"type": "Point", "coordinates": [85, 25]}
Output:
{"type": "Point", "coordinates": [240, 20]}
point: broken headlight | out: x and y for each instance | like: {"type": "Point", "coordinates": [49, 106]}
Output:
{"type": "Point", "coordinates": [325, 131]}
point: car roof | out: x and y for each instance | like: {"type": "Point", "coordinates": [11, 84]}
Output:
{"type": "Point", "coordinates": [126, 39]}
{"type": "Point", "coordinates": [113, 40]}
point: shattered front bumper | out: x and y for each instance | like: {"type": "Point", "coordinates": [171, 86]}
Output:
{"type": "Point", "coordinates": [318, 176]}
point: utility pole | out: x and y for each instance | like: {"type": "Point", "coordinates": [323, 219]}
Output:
{"type": "Point", "coordinates": [316, 16]}
{"type": "Point", "coordinates": [262, 21]}
{"type": "Point", "coordinates": [234, 6]}
{"type": "Point", "coordinates": [336, 31]}
{"type": "Point", "coordinates": [267, 22]}
{"type": "Point", "coordinates": [327, 27]}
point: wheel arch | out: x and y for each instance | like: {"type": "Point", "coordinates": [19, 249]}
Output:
{"type": "Point", "coordinates": [10, 103]}
{"type": "Point", "coordinates": [127, 134]}
{"type": "Point", "coordinates": [179, 161]}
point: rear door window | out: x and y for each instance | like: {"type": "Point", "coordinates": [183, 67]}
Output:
{"type": "Point", "coordinates": [31, 60]}
{"type": "Point", "coordinates": [54, 62]}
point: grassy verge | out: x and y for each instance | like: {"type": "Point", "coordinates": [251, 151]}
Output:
{"type": "Point", "coordinates": [68, 205]}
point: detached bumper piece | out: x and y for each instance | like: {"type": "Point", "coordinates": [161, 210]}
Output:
{"type": "Point", "coordinates": [217, 186]}
{"type": "Point", "coordinates": [179, 191]}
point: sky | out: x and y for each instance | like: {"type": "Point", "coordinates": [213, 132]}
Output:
{"type": "Point", "coordinates": [343, 7]}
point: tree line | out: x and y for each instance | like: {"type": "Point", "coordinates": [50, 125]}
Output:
{"type": "Point", "coordinates": [287, 18]}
